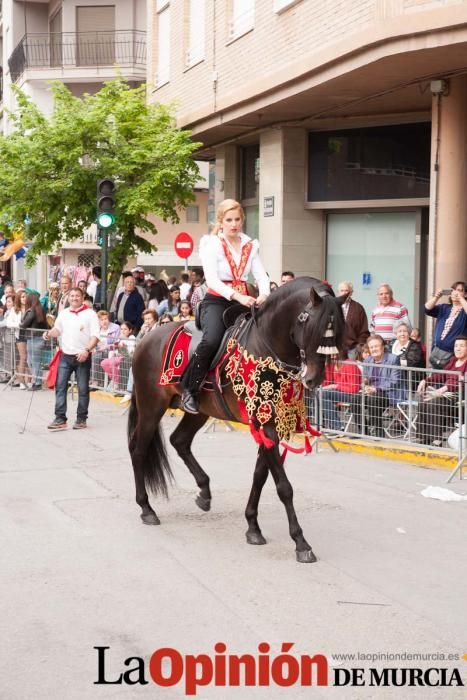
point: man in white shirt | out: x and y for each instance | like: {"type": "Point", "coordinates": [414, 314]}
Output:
{"type": "Point", "coordinates": [185, 286]}
{"type": "Point", "coordinates": [78, 327]}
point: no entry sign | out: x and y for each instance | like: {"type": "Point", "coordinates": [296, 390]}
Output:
{"type": "Point", "coordinates": [183, 244]}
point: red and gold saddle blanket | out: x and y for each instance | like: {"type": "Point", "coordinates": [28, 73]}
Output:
{"type": "Point", "coordinates": [175, 357]}
{"type": "Point", "coordinates": [264, 391]}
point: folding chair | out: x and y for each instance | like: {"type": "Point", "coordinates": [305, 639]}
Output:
{"type": "Point", "coordinates": [345, 410]}
{"type": "Point", "coordinates": [402, 420]}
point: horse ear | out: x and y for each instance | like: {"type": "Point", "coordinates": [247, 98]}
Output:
{"type": "Point", "coordinates": [342, 299]}
{"type": "Point", "coordinates": [315, 298]}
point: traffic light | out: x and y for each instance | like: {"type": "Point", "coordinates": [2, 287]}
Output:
{"type": "Point", "coordinates": [105, 203]}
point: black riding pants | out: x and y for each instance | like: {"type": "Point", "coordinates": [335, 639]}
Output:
{"type": "Point", "coordinates": [212, 324]}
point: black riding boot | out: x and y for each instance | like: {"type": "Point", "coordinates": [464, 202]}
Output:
{"type": "Point", "coordinates": [192, 380]}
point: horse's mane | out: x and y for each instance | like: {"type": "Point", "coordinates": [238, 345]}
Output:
{"type": "Point", "coordinates": [293, 289]}
{"type": "Point", "coordinates": [299, 289]}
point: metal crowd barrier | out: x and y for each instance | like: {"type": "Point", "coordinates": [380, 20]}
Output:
{"type": "Point", "coordinates": [410, 411]}
{"type": "Point", "coordinates": [24, 357]}
{"type": "Point", "coordinates": [111, 366]}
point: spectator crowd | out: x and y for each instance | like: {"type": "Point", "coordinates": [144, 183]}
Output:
{"type": "Point", "coordinates": [369, 377]}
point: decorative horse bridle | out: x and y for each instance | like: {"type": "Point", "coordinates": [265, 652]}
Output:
{"type": "Point", "coordinates": [326, 348]}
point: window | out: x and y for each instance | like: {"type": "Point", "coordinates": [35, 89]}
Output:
{"type": "Point", "coordinates": [243, 14]}
{"type": "Point", "coordinates": [55, 31]}
{"type": "Point", "coordinates": [384, 162]}
{"type": "Point", "coordinates": [192, 214]}
{"type": "Point", "coordinates": [196, 31]}
{"type": "Point", "coordinates": [163, 42]}
{"type": "Point", "coordinates": [249, 171]}
{"type": "Point", "coordinates": [96, 35]}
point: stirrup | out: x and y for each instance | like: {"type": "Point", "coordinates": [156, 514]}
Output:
{"type": "Point", "coordinates": [190, 402]}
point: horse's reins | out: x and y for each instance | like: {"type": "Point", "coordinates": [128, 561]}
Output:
{"type": "Point", "coordinates": [291, 370]}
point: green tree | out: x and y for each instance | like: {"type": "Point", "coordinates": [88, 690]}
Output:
{"type": "Point", "coordinates": [49, 168]}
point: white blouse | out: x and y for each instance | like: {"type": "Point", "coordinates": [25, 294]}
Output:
{"type": "Point", "coordinates": [217, 269]}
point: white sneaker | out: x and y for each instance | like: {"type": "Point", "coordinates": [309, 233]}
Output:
{"type": "Point", "coordinates": [22, 386]}
{"type": "Point", "coordinates": [126, 398]}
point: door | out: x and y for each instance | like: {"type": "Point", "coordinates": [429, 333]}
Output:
{"type": "Point", "coordinates": [371, 248]}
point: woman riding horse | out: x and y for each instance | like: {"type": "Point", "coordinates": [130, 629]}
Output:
{"type": "Point", "coordinates": [290, 334]}
{"type": "Point", "coordinates": [228, 256]}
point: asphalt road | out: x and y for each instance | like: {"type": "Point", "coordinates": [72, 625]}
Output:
{"type": "Point", "coordinates": [79, 570]}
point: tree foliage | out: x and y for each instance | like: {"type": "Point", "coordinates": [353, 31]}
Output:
{"type": "Point", "coordinates": [49, 167]}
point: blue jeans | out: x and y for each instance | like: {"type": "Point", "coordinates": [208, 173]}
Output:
{"type": "Point", "coordinates": [68, 365]}
{"type": "Point", "coordinates": [34, 350]}
{"type": "Point", "coordinates": [330, 398]}
{"type": "Point", "coordinates": [129, 386]}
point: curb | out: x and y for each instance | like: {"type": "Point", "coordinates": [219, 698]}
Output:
{"type": "Point", "coordinates": [417, 456]}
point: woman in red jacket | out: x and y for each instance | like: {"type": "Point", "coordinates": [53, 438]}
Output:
{"type": "Point", "coordinates": [439, 396]}
{"type": "Point", "coordinates": [342, 381]}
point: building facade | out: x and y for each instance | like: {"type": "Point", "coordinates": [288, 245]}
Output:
{"type": "Point", "coordinates": [82, 43]}
{"type": "Point", "coordinates": [341, 126]}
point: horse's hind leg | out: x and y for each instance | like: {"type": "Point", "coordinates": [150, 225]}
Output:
{"type": "Point", "coordinates": [304, 553]}
{"type": "Point", "coordinates": [182, 439]}
{"type": "Point", "coordinates": [253, 534]}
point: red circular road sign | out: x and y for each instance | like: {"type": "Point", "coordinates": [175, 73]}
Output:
{"type": "Point", "coordinates": [183, 244]}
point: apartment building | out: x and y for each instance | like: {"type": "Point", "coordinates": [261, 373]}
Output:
{"type": "Point", "coordinates": [82, 43]}
{"type": "Point", "coordinates": [340, 125]}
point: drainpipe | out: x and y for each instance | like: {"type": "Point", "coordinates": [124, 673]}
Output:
{"type": "Point", "coordinates": [438, 89]}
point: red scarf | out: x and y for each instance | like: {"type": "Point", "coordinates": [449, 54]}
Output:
{"type": "Point", "coordinates": [237, 272]}
{"type": "Point", "coordinates": [81, 308]}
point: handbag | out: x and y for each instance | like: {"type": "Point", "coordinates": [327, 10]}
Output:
{"type": "Point", "coordinates": [439, 358]}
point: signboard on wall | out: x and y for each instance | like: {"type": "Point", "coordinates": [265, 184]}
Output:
{"type": "Point", "coordinates": [268, 206]}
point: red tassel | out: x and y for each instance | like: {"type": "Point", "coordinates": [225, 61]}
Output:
{"type": "Point", "coordinates": [256, 434]}
{"type": "Point", "coordinates": [312, 430]}
{"type": "Point", "coordinates": [267, 442]}
{"type": "Point", "coordinates": [308, 445]}
{"type": "Point", "coordinates": [284, 455]}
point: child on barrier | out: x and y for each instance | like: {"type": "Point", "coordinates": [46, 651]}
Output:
{"type": "Point", "coordinates": [124, 349]}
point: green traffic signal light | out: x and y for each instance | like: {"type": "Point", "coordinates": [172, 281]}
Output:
{"type": "Point", "coordinates": [105, 203]}
{"type": "Point", "coordinates": [105, 220]}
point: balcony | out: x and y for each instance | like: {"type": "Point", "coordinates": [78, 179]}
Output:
{"type": "Point", "coordinates": [75, 53]}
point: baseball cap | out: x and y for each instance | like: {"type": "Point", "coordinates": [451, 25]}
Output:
{"type": "Point", "coordinates": [138, 268]}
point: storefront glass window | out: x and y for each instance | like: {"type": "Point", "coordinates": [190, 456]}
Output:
{"type": "Point", "coordinates": [388, 162]}
{"type": "Point", "coordinates": [369, 249]}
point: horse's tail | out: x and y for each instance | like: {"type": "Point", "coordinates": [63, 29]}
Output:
{"type": "Point", "coordinates": [154, 461]}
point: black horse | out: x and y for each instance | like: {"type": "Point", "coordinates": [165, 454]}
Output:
{"type": "Point", "coordinates": [291, 326]}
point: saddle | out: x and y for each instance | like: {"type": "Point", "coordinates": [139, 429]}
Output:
{"type": "Point", "coordinates": [186, 338]}
{"type": "Point", "coordinates": [229, 317]}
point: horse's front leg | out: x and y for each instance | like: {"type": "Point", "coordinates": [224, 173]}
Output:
{"type": "Point", "coordinates": [253, 534]}
{"type": "Point", "coordinates": [304, 553]}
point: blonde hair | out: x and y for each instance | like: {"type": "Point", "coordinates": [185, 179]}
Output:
{"type": "Point", "coordinates": [225, 206]}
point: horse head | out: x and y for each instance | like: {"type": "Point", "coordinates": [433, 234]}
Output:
{"type": "Point", "coordinates": [318, 332]}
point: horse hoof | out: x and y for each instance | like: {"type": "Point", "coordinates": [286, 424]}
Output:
{"type": "Point", "coordinates": [150, 519]}
{"type": "Point", "coordinates": [306, 556]}
{"type": "Point", "coordinates": [255, 538]}
{"type": "Point", "coordinates": [203, 503]}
